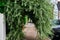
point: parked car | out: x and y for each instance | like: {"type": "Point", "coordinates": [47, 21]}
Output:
{"type": "Point", "coordinates": [56, 29]}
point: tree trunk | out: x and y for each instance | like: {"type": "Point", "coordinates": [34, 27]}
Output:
{"type": "Point", "coordinates": [30, 32]}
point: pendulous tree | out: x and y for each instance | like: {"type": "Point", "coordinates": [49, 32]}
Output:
{"type": "Point", "coordinates": [19, 12]}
